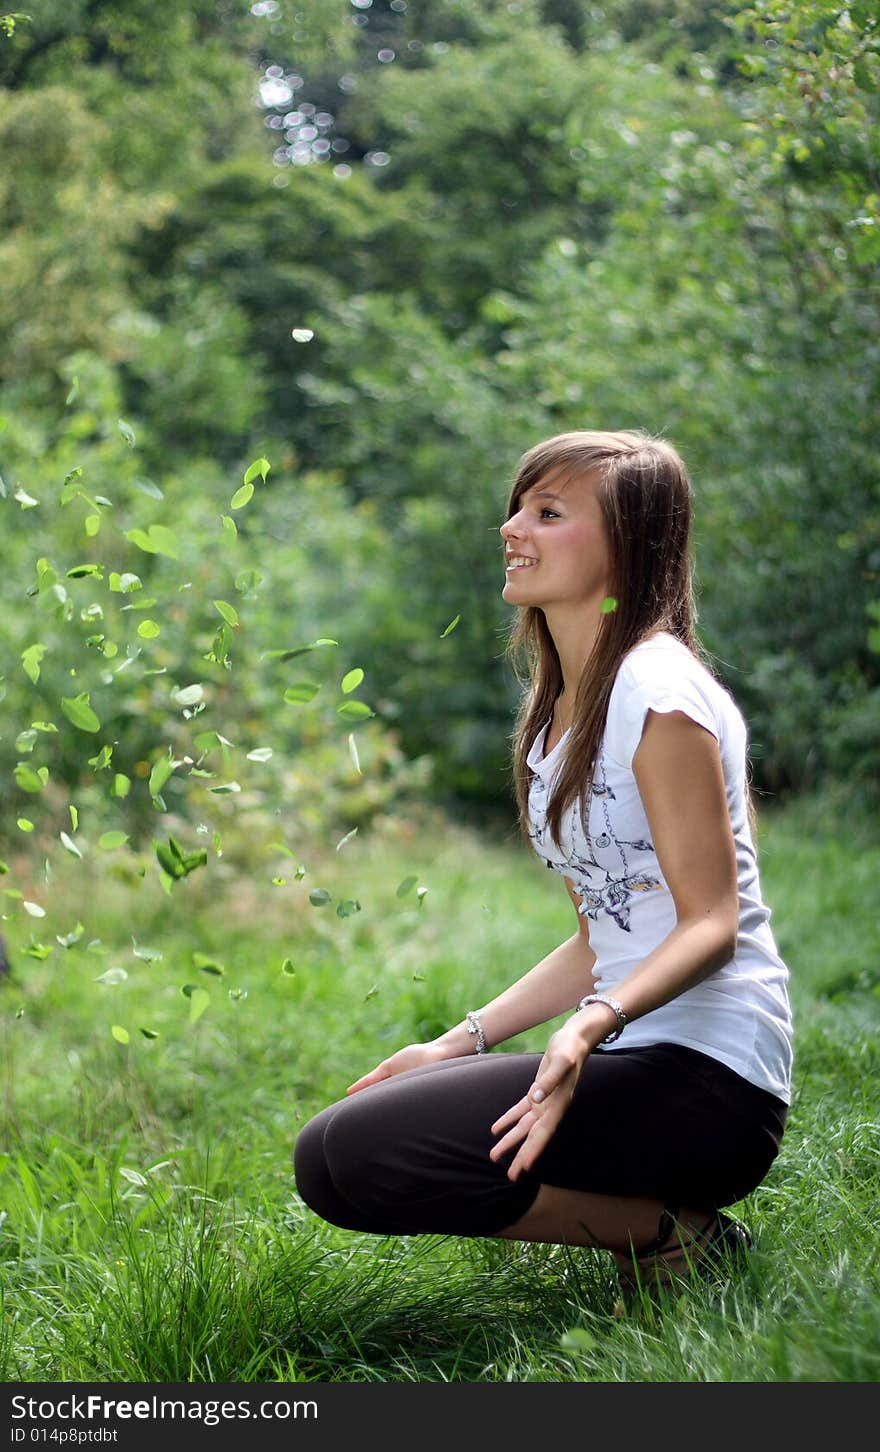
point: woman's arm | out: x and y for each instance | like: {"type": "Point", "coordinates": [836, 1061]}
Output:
{"type": "Point", "coordinates": [550, 988]}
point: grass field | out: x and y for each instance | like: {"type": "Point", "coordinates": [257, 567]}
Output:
{"type": "Point", "coordinates": [150, 1227]}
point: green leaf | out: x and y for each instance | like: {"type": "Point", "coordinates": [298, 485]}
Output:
{"type": "Point", "coordinates": [259, 466]}
{"type": "Point", "coordinates": [160, 774]}
{"type": "Point", "coordinates": [353, 753]}
{"type": "Point", "coordinates": [109, 840]}
{"type": "Point", "coordinates": [92, 525]}
{"type": "Point", "coordinates": [351, 680]}
{"type": "Point", "coordinates": [229, 613]}
{"type": "Point", "coordinates": [69, 843]}
{"type": "Point", "coordinates": [242, 496]}
{"type": "Point", "coordinates": [406, 886]}
{"type": "Point", "coordinates": [260, 753]}
{"type": "Point", "coordinates": [450, 627]}
{"type": "Point", "coordinates": [229, 525]}
{"type": "Point", "coordinates": [146, 486]}
{"type": "Point", "coordinates": [206, 964]}
{"type": "Point", "coordinates": [121, 785]}
{"type": "Point", "coordinates": [354, 710]}
{"type": "Point", "coordinates": [295, 650]}
{"type": "Point", "coordinates": [81, 572]}
{"type": "Point", "coordinates": [188, 695]}
{"type": "Point", "coordinates": [148, 629]}
{"type": "Point", "coordinates": [74, 816]}
{"type": "Point", "coordinates": [608, 605]}
{"type": "Point", "coordinates": [198, 1002]}
{"type": "Point", "coordinates": [26, 500]}
{"type": "Point", "coordinates": [319, 897]}
{"type": "Point", "coordinates": [30, 659]}
{"type": "Point", "coordinates": [348, 908]}
{"type": "Point", "coordinates": [149, 1033]}
{"type": "Point", "coordinates": [44, 726]}
{"type": "Point", "coordinates": [124, 584]}
{"type": "Point", "coordinates": [288, 969]}
{"type": "Point", "coordinates": [33, 909]}
{"type": "Point", "coordinates": [28, 779]}
{"type": "Point", "coordinates": [24, 825]}
{"type": "Point", "coordinates": [301, 692]}
{"type": "Point", "coordinates": [79, 712]}
{"type": "Point", "coordinates": [157, 540]}
{"type": "Point", "coordinates": [120, 1034]}
{"type": "Point", "coordinates": [347, 838]}
{"type": "Point", "coordinates": [127, 432]}
{"type": "Point", "coordinates": [227, 786]}
{"type": "Point", "coordinates": [112, 976]}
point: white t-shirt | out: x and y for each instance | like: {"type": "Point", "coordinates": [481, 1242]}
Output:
{"type": "Point", "coordinates": [740, 1014]}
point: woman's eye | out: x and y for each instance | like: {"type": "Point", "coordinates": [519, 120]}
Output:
{"type": "Point", "coordinates": [549, 514]}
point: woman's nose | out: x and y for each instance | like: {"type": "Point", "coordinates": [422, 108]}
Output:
{"type": "Point", "coordinates": [510, 527]}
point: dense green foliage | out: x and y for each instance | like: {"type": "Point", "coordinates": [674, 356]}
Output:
{"type": "Point", "coordinates": [387, 248]}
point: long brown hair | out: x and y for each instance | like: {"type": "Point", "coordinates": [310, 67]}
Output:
{"type": "Point", "coordinates": [645, 496]}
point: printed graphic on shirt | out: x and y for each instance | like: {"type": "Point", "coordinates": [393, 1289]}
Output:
{"type": "Point", "coordinates": [603, 886]}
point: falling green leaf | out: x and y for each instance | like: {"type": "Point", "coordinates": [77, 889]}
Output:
{"type": "Point", "coordinates": [206, 964]}
{"type": "Point", "coordinates": [79, 712]}
{"type": "Point", "coordinates": [33, 909]}
{"type": "Point", "coordinates": [82, 572]}
{"type": "Point", "coordinates": [109, 840]}
{"type": "Point", "coordinates": [354, 710]}
{"type": "Point", "coordinates": [127, 432]}
{"type": "Point", "coordinates": [157, 540]}
{"type": "Point", "coordinates": [347, 838]}
{"type": "Point", "coordinates": [242, 496]}
{"type": "Point", "coordinates": [348, 908]}
{"type": "Point", "coordinates": [146, 955]}
{"type": "Point", "coordinates": [30, 660]}
{"type": "Point", "coordinates": [229, 612]}
{"type": "Point", "coordinates": [226, 786]}
{"type": "Point", "coordinates": [260, 466]}
{"type": "Point", "coordinates": [260, 753]}
{"type": "Point", "coordinates": [92, 525]}
{"type": "Point", "coordinates": [301, 692]}
{"type": "Point", "coordinates": [319, 897]}
{"type": "Point", "coordinates": [288, 969]}
{"type": "Point", "coordinates": [406, 886]}
{"type": "Point", "coordinates": [371, 993]}
{"type": "Point", "coordinates": [69, 843]}
{"type": "Point", "coordinates": [149, 1033]}
{"type": "Point", "coordinates": [26, 500]}
{"type": "Point", "coordinates": [124, 584]}
{"type": "Point", "coordinates": [229, 525]}
{"type": "Point", "coordinates": [120, 1034]}
{"type": "Point", "coordinates": [74, 816]}
{"type": "Point", "coordinates": [198, 1002]}
{"type": "Point", "coordinates": [121, 785]}
{"type": "Point", "coordinates": [353, 753]}
{"type": "Point", "coordinates": [24, 825]}
{"type": "Point", "coordinates": [450, 627]}
{"type": "Point", "coordinates": [294, 650]}
{"type": "Point", "coordinates": [160, 773]}
{"type": "Point", "coordinates": [351, 680]}
{"type": "Point", "coordinates": [188, 695]}
{"type": "Point", "coordinates": [148, 630]}
{"type": "Point", "coordinates": [28, 779]}
{"type": "Point", "coordinates": [608, 605]}
{"type": "Point", "coordinates": [112, 976]}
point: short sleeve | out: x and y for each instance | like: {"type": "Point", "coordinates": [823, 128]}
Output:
{"type": "Point", "coordinates": [662, 685]}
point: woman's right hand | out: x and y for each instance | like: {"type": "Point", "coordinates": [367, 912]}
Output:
{"type": "Point", "coordinates": [414, 1056]}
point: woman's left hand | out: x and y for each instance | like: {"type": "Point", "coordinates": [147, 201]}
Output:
{"type": "Point", "coordinates": [532, 1122]}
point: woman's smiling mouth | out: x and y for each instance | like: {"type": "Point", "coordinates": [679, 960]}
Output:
{"type": "Point", "coordinates": [519, 562]}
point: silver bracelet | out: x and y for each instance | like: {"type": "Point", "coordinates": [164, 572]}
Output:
{"type": "Point", "coordinates": [622, 1019]}
{"type": "Point", "coordinates": [475, 1027]}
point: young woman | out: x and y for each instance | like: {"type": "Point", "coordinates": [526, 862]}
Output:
{"type": "Point", "coordinates": [663, 1095]}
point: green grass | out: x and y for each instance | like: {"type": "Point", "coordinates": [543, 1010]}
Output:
{"type": "Point", "coordinates": [151, 1231]}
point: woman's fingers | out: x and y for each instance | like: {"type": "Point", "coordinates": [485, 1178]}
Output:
{"type": "Point", "coordinates": [366, 1080]}
{"type": "Point", "coordinates": [512, 1115]}
{"type": "Point", "coordinates": [513, 1137]}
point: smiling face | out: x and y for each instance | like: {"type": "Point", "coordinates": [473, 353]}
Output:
{"type": "Point", "coordinates": [556, 545]}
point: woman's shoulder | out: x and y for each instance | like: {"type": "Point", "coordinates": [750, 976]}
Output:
{"type": "Point", "coordinates": [662, 658]}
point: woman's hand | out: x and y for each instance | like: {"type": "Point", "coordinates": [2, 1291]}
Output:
{"type": "Point", "coordinates": [414, 1056]}
{"type": "Point", "coordinates": [532, 1122]}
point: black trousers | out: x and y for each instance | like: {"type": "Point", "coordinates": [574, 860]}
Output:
{"type": "Point", "coordinates": [410, 1155]}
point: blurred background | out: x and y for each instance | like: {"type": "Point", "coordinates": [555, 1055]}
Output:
{"type": "Point", "coordinates": [384, 246]}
